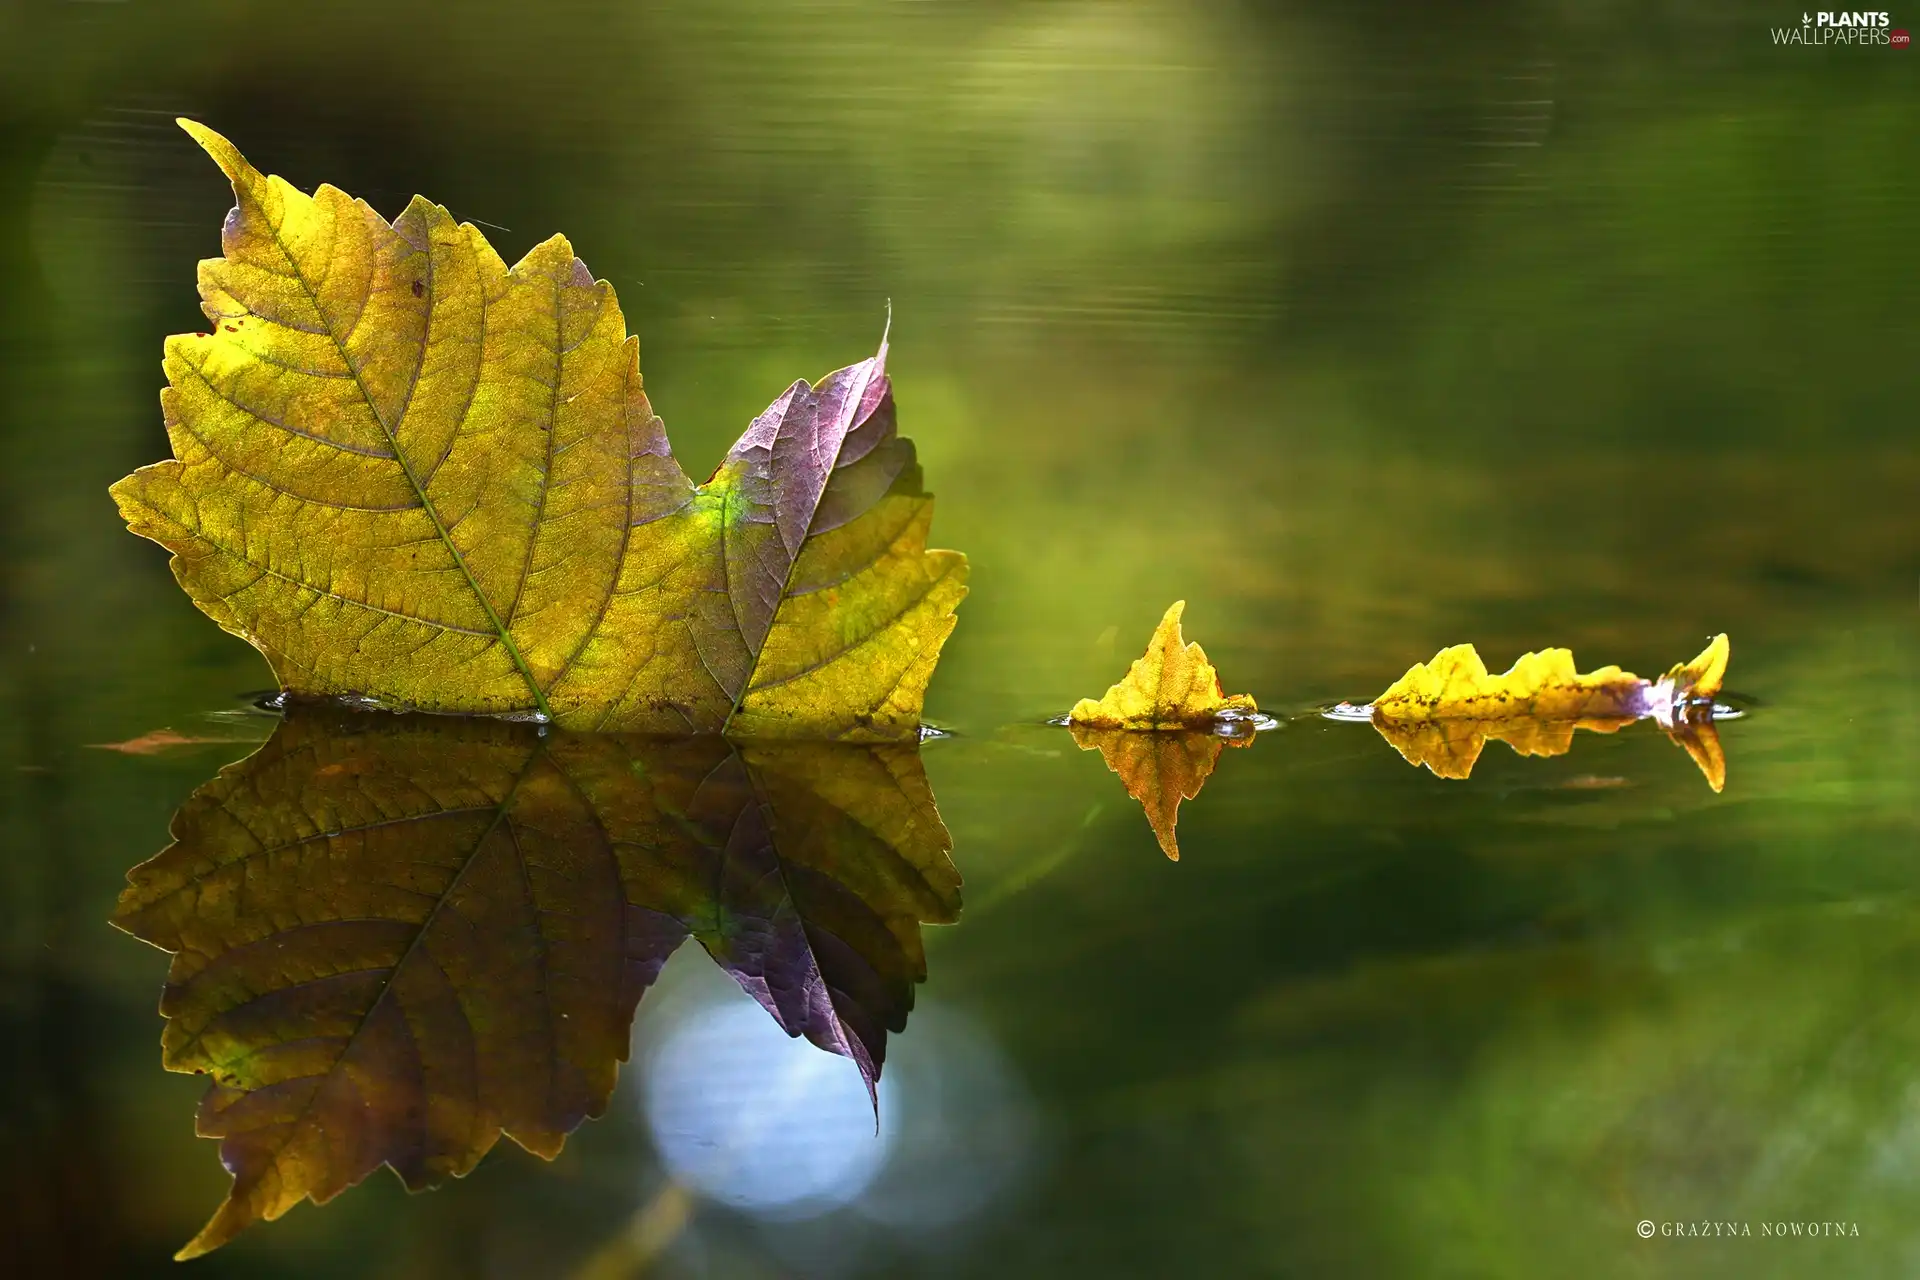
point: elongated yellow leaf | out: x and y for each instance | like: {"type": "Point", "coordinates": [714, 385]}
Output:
{"type": "Point", "coordinates": [1172, 686]}
{"type": "Point", "coordinates": [406, 472]}
{"type": "Point", "coordinates": [1442, 713]}
{"type": "Point", "coordinates": [1456, 685]}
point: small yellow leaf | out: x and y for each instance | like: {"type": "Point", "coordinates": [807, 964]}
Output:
{"type": "Point", "coordinates": [1162, 727]}
{"type": "Point", "coordinates": [1172, 686]}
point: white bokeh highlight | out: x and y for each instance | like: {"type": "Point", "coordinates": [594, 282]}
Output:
{"type": "Point", "coordinates": [768, 1124]}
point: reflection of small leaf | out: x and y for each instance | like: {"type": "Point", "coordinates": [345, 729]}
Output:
{"type": "Point", "coordinates": [1702, 741]}
{"type": "Point", "coordinates": [396, 938]}
{"type": "Point", "coordinates": [1172, 686]}
{"type": "Point", "coordinates": [1159, 769]}
{"type": "Point", "coordinates": [406, 472]}
{"type": "Point", "coordinates": [1441, 713]}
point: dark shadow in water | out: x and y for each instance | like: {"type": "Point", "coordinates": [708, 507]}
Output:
{"type": "Point", "coordinates": [397, 937]}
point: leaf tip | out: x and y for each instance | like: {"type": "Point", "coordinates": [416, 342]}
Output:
{"type": "Point", "coordinates": [1167, 637]}
{"type": "Point", "coordinates": [240, 1210]}
{"type": "Point", "coordinates": [1711, 665]}
{"type": "Point", "coordinates": [211, 1237]}
{"type": "Point", "coordinates": [215, 144]}
{"type": "Point", "coordinates": [1703, 744]}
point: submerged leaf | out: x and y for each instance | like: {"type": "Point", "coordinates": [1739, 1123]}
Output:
{"type": "Point", "coordinates": [397, 938]}
{"type": "Point", "coordinates": [408, 473]}
{"type": "Point", "coordinates": [1442, 713]}
{"type": "Point", "coordinates": [1160, 769]}
{"type": "Point", "coordinates": [1172, 686]}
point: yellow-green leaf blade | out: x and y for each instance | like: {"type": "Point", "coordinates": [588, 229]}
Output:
{"type": "Point", "coordinates": [405, 472]}
{"type": "Point", "coordinates": [402, 470]}
{"type": "Point", "coordinates": [1171, 686]}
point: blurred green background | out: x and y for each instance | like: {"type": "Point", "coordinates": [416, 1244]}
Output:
{"type": "Point", "coordinates": [1365, 329]}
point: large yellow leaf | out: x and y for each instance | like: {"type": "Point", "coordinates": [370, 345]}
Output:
{"type": "Point", "coordinates": [406, 472]}
{"type": "Point", "coordinates": [396, 938]}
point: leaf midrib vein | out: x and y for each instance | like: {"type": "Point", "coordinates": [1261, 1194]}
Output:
{"type": "Point", "coordinates": [400, 456]}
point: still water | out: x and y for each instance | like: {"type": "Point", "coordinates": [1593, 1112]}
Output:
{"type": "Point", "coordinates": [1362, 330]}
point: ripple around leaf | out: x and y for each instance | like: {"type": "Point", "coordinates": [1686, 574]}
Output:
{"type": "Point", "coordinates": [397, 937]}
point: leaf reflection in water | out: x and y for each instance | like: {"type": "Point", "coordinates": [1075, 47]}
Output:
{"type": "Point", "coordinates": [1450, 748]}
{"type": "Point", "coordinates": [397, 937]}
{"type": "Point", "coordinates": [1162, 767]}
